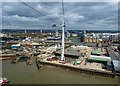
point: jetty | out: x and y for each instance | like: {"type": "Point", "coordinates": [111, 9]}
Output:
{"type": "Point", "coordinates": [6, 56]}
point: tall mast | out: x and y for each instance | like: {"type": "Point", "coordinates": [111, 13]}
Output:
{"type": "Point", "coordinates": [63, 32]}
{"type": "Point", "coordinates": [25, 31]}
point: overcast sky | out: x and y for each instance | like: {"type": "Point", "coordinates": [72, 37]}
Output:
{"type": "Point", "coordinates": [78, 15]}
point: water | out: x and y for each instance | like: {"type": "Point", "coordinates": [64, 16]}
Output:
{"type": "Point", "coordinates": [21, 73]}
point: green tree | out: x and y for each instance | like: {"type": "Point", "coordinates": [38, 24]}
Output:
{"type": "Point", "coordinates": [118, 47]}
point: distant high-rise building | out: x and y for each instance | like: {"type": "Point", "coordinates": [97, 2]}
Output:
{"type": "Point", "coordinates": [56, 33]}
{"type": "Point", "coordinates": [41, 31]}
{"type": "Point", "coordinates": [82, 36]}
{"type": "Point", "coordinates": [68, 34]}
{"type": "Point", "coordinates": [25, 31]}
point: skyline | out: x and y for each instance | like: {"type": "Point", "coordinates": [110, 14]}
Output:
{"type": "Point", "coordinates": [78, 15]}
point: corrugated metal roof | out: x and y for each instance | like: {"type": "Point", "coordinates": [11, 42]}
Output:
{"type": "Point", "coordinates": [99, 58]}
{"type": "Point", "coordinates": [96, 52]}
{"type": "Point", "coordinates": [96, 59]}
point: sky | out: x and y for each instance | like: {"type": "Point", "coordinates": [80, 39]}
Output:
{"type": "Point", "coordinates": [78, 15]}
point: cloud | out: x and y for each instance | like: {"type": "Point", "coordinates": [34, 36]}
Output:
{"type": "Point", "coordinates": [78, 15]}
{"type": "Point", "coordinates": [74, 16]}
{"type": "Point", "coordinates": [0, 15]}
{"type": "Point", "coordinates": [64, 0]}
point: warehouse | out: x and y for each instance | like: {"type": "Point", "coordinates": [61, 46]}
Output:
{"type": "Point", "coordinates": [15, 46]}
{"type": "Point", "coordinates": [96, 52]}
{"type": "Point", "coordinates": [101, 59]}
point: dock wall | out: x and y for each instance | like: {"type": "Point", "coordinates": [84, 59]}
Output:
{"type": "Point", "coordinates": [82, 70]}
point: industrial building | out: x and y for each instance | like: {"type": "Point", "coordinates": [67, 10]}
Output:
{"type": "Point", "coordinates": [15, 46]}
{"type": "Point", "coordinates": [97, 52]}
{"type": "Point", "coordinates": [102, 59]}
{"type": "Point", "coordinates": [99, 37]}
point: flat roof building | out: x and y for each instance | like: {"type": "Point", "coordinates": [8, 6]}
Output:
{"type": "Point", "coordinates": [93, 58]}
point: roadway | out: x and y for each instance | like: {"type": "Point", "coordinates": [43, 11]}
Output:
{"type": "Point", "coordinates": [113, 54]}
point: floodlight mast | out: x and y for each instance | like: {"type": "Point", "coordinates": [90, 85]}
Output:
{"type": "Point", "coordinates": [63, 33]}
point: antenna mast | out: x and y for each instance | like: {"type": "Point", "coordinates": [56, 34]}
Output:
{"type": "Point", "coordinates": [63, 33]}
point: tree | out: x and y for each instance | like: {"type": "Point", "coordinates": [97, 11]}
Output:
{"type": "Point", "coordinates": [118, 47]}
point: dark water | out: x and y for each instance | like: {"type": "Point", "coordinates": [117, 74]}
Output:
{"type": "Point", "coordinates": [21, 73]}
